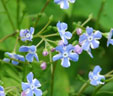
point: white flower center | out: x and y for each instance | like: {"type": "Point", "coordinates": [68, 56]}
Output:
{"type": "Point", "coordinates": [90, 38]}
{"type": "Point", "coordinates": [65, 54]}
{"type": "Point", "coordinates": [95, 77]}
{"type": "Point", "coordinates": [27, 35]}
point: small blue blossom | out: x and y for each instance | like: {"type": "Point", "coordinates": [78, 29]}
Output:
{"type": "Point", "coordinates": [95, 77]}
{"type": "Point", "coordinates": [2, 93]}
{"type": "Point", "coordinates": [31, 52]}
{"type": "Point", "coordinates": [66, 53]}
{"type": "Point", "coordinates": [89, 39]}
{"type": "Point", "coordinates": [31, 88]}
{"type": "Point", "coordinates": [14, 56]}
{"type": "Point", "coordinates": [62, 27]}
{"type": "Point", "coordinates": [27, 34]}
{"type": "Point", "coordinates": [110, 41]}
{"type": "Point", "coordinates": [64, 4]}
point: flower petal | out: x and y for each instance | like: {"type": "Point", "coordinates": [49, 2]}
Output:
{"type": "Point", "coordinates": [30, 93]}
{"type": "Point", "coordinates": [89, 30]}
{"type": "Point", "coordinates": [25, 86]}
{"type": "Point", "coordinates": [110, 42]}
{"type": "Point", "coordinates": [89, 52]}
{"type": "Point", "coordinates": [64, 4]}
{"type": "Point", "coordinates": [29, 57]}
{"type": "Point", "coordinates": [69, 48]}
{"type": "Point", "coordinates": [36, 56]}
{"type": "Point", "coordinates": [6, 60]}
{"type": "Point", "coordinates": [74, 56]}
{"type": "Point", "coordinates": [19, 57]}
{"type": "Point", "coordinates": [38, 92]}
{"type": "Point", "coordinates": [32, 48]}
{"type": "Point", "coordinates": [15, 62]}
{"type": "Point", "coordinates": [94, 44]}
{"type": "Point", "coordinates": [97, 69]}
{"type": "Point", "coordinates": [86, 45]}
{"type": "Point", "coordinates": [90, 75]}
{"type": "Point", "coordinates": [82, 38]}
{"type": "Point", "coordinates": [36, 83]}
{"type": "Point", "coordinates": [65, 62]}
{"type": "Point", "coordinates": [68, 35]}
{"type": "Point", "coordinates": [57, 1]}
{"type": "Point", "coordinates": [60, 48]}
{"type": "Point", "coordinates": [97, 35]}
{"type": "Point", "coordinates": [72, 1]}
{"type": "Point", "coordinates": [57, 57]}
{"type": "Point", "coordinates": [62, 26]}
{"type": "Point", "coordinates": [24, 49]}
{"type": "Point", "coordinates": [31, 30]}
{"type": "Point", "coordinates": [94, 82]}
{"type": "Point", "coordinates": [30, 77]}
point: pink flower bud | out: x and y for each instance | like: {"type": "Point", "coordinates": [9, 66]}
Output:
{"type": "Point", "coordinates": [43, 65]}
{"type": "Point", "coordinates": [79, 31]}
{"type": "Point", "coordinates": [23, 93]}
{"type": "Point", "coordinates": [45, 53]}
{"type": "Point", "coordinates": [78, 49]}
{"type": "Point", "coordinates": [53, 49]}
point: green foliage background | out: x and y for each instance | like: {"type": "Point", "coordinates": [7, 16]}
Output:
{"type": "Point", "coordinates": [67, 81]}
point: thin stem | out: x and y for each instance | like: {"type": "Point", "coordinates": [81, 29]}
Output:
{"type": "Point", "coordinates": [87, 20]}
{"type": "Point", "coordinates": [18, 14]}
{"type": "Point", "coordinates": [83, 88]}
{"type": "Point", "coordinates": [9, 17]}
{"type": "Point", "coordinates": [100, 13]}
{"type": "Point", "coordinates": [16, 43]}
{"type": "Point", "coordinates": [53, 68]}
{"type": "Point", "coordinates": [51, 35]}
{"type": "Point", "coordinates": [6, 37]}
{"type": "Point", "coordinates": [43, 9]}
{"type": "Point", "coordinates": [39, 43]}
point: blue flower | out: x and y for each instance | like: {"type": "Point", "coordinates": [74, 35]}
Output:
{"type": "Point", "coordinates": [14, 56]}
{"type": "Point", "coordinates": [2, 93]}
{"type": "Point", "coordinates": [66, 53]}
{"type": "Point", "coordinates": [64, 4]}
{"type": "Point", "coordinates": [27, 34]}
{"type": "Point", "coordinates": [95, 77]}
{"type": "Point", "coordinates": [110, 41]}
{"type": "Point", "coordinates": [31, 87]}
{"type": "Point", "coordinates": [89, 39]}
{"type": "Point", "coordinates": [31, 52]}
{"type": "Point", "coordinates": [62, 27]}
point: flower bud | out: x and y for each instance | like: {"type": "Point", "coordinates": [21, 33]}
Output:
{"type": "Point", "coordinates": [43, 65]}
{"type": "Point", "coordinates": [23, 93]}
{"type": "Point", "coordinates": [45, 53]}
{"type": "Point", "coordinates": [53, 49]}
{"type": "Point", "coordinates": [78, 49]}
{"type": "Point", "coordinates": [78, 31]}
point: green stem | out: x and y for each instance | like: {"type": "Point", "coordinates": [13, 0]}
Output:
{"type": "Point", "coordinates": [42, 10]}
{"type": "Point", "coordinates": [16, 43]}
{"type": "Point", "coordinates": [39, 43]}
{"type": "Point", "coordinates": [9, 17]}
{"type": "Point", "coordinates": [100, 13]}
{"type": "Point", "coordinates": [51, 35]}
{"type": "Point", "coordinates": [83, 88]}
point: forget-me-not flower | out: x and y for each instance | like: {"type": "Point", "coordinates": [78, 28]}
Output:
{"type": "Point", "coordinates": [31, 88]}
{"type": "Point", "coordinates": [14, 56]}
{"type": "Point", "coordinates": [66, 53]}
{"type": "Point", "coordinates": [62, 27]}
{"type": "Point", "coordinates": [110, 40]}
{"type": "Point", "coordinates": [89, 39]}
{"type": "Point", "coordinates": [2, 93]}
{"type": "Point", "coordinates": [95, 77]}
{"type": "Point", "coordinates": [31, 52]}
{"type": "Point", "coordinates": [64, 4]}
{"type": "Point", "coordinates": [27, 34]}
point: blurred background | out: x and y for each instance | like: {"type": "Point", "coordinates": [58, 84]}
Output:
{"type": "Point", "coordinates": [67, 81]}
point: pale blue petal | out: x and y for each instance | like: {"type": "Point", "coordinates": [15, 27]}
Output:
{"type": "Point", "coordinates": [68, 35]}
{"type": "Point", "coordinates": [62, 26]}
{"type": "Point", "coordinates": [74, 56]}
{"type": "Point", "coordinates": [82, 38]}
{"type": "Point", "coordinates": [29, 57]}
{"type": "Point", "coordinates": [89, 30]}
{"type": "Point", "coordinates": [65, 41]}
{"type": "Point", "coordinates": [94, 44]}
{"type": "Point", "coordinates": [32, 48]}
{"type": "Point", "coordinates": [38, 92]}
{"type": "Point", "coordinates": [57, 1]}
{"type": "Point", "coordinates": [94, 82]}
{"type": "Point", "coordinates": [30, 77]}
{"type": "Point", "coordinates": [31, 30]}
{"type": "Point", "coordinates": [97, 35]}
{"type": "Point", "coordinates": [69, 48]}
{"type": "Point", "coordinates": [65, 62]}
{"type": "Point", "coordinates": [24, 49]}
{"type": "Point", "coordinates": [60, 48]}
{"type": "Point", "coordinates": [72, 1]}
{"type": "Point", "coordinates": [86, 45]}
{"type": "Point", "coordinates": [97, 69]}
{"type": "Point", "coordinates": [90, 75]}
{"type": "Point", "coordinates": [6, 60]}
{"type": "Point", "coordinates": [110, 42]}
{"type": "Point", "coordinates": [36, 56]}
{"type": "Point", "coordinates": [64, 4]}
{"type": "Point", "coordinates": [25, 86]}
{"type": "Point", "coordinates": [9, 54]}
{"type": "Point", "coordinates": [90, 54]}
{"type": "Point", "coordinates": [15, 62]}
{"type": "Point", "coordinates": [36, 83]}
{"type": "Point", "coordinates": [57, 57]}
{"type": "Point", "coordinates": [1, 88]}
{"type": "Point", "coordinates": [30, 93]}
{"type": "Point", "coordinates": [19, 57]}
